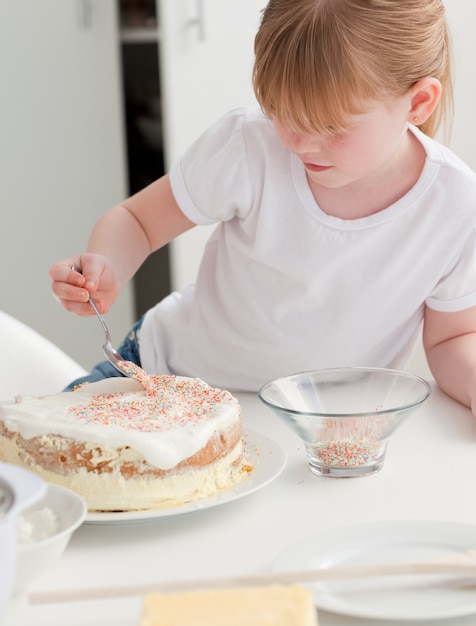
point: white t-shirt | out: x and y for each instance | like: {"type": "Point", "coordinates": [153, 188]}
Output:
{"type": "Point", "coordinates": [284, 287]}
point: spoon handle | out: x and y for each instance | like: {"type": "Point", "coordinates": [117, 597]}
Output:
{"type": "Point", "coordinates": [95, 308]}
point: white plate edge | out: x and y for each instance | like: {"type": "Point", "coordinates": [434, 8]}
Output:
{"type": "Point", "coordinates": [348, 608]}
{"type": "Point", "coordinates": [235, 492]}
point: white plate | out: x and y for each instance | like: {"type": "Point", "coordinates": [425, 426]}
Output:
{"type": "Point", "coordinates": [388, 597]}
{"type": "Point", "coordinates": [268, 459]}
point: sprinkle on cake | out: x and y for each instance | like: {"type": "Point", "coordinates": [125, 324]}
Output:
{"type": "Point", "coordinates": [158, 410]}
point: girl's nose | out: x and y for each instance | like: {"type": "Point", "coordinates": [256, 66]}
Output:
{"type": "Point", "coordinates": [300, 142]}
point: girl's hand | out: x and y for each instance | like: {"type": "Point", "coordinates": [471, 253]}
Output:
{"type": "Point", "coordinates": [120, 242]}
{"type": "Point", "coordinates": [95, 277]}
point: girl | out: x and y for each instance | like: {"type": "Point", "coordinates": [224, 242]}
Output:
{"type": "Point", "coordinates": [343, 229]}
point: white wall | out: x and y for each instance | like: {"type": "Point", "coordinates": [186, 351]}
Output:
{"type": "Point", "coordinates": [62, 157]}
{"type": "Point", "coordinates": [461, 16]}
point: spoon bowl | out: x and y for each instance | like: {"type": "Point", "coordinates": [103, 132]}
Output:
{"type": "Point", "coordinates": [125, 367]}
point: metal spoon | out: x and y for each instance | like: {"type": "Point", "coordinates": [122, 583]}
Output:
{"type": "Point", "coordinates": [127, 368]}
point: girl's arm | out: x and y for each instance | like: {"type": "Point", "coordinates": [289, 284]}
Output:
{"type": "Point", "coordinates": [449, 340]}
{"type": "Point", "coordinates": [120, 242]}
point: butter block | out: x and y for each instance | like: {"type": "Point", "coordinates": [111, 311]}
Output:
{"type": "Point", "coordinates": [242, 606]}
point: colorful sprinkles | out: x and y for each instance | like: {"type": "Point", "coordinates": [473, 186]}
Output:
{"type": "Point", "coordinates": [347, 453]}
{"type": "Point", "coordinates": [351, 442]}
{"type": "Point", "coordinates": [168, 402]}
{"type": "Point", "coordinates": [135, 371]}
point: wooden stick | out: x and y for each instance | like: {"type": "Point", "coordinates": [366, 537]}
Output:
{"type": "Point", "coordinates": [465, 567]}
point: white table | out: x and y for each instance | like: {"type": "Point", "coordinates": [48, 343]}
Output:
{"type": "Point", "coordinates": [429, 474]}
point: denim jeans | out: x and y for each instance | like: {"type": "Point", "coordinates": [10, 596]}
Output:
{"type": "Point", "coordinates": [129, 350]}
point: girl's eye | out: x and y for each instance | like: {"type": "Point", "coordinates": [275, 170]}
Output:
{"type": "Point", "coordinates": [338, 133]}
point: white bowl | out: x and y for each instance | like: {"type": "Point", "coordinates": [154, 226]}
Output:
{"type": "Point", "coordinates": [38, 556]}
{"type": "Point", "coordinates": [19, 490]}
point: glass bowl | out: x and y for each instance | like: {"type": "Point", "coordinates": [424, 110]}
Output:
{"type": "Point", "coordinates": [346, 415]}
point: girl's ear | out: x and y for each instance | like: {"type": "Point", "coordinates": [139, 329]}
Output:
{"type": "Point", "coordinates": [424, 97]}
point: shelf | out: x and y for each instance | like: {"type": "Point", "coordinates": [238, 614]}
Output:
{"type": "Point", "coordinates": [140, 35]}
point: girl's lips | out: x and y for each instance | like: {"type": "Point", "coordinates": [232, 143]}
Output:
{"type": "Point", "coordinates": [316, 168]}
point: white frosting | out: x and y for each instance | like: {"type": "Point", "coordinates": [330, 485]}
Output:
{"type": "Point", "coordinates": [178, 427]}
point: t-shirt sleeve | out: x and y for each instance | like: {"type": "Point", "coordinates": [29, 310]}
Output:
{"type": "Point", "coordinates": [457, 288]}
{"type": "Point", "coordinates": [211, 181]}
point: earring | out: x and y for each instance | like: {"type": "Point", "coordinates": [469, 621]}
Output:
{"type": "Point", "coordinates": [415, 119]}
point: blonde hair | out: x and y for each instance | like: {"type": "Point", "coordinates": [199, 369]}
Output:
{"type": "Point", "coordinates": [318, 62]}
